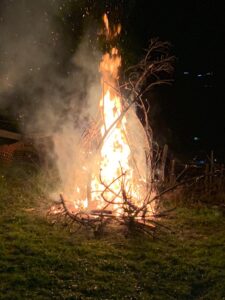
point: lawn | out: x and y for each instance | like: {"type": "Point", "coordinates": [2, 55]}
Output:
{"type": "Point", "coordinates": [42, 261]}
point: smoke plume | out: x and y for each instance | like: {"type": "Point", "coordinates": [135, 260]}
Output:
{"type": "Point", "coordinates": [51, 93]}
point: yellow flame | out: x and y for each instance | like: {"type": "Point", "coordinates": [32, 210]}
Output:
{"type": "Point", "coordinates": [106, 23]}
{"type": "Point", "coordinates": [109, 33]}
{"type": "Point", "coordinates": [115, 151]}
{"type": "Point", "coordinates": [115, 175]}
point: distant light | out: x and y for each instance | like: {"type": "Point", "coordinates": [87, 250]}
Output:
{"type": "Point", "coordinates": [209, 73]}
{"type": "Point", "coordinates": [199, 75]}
{"type": "Point", "coordinates": [215, 159]}
{"type": "Point", "coordinates": [186, 73]}
{"type": "Point", "coordinates": [196, 138]}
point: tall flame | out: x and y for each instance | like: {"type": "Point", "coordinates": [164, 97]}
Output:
{"type": "Point", "coordinates": [120, 171]}
{"type": "Point", "coordinates": [115, 151]}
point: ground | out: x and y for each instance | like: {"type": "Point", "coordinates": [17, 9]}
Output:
{"type": "Point", "coordinates": [42, 261]}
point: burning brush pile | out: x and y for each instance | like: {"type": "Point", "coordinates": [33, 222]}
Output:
{"type": "Point", "coordinates": [115, 182]}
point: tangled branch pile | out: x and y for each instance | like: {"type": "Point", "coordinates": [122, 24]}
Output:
{"type": "Point", "coordinates": [117, 195]}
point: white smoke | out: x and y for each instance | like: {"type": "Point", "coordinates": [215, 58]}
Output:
{"type": "Point", "coordinates": [34, 86]}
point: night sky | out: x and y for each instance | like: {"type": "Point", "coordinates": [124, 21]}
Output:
{"type": "Point", "coordinates": [193, 106]}
{"type": "Point", "coordinates": [189, 115]}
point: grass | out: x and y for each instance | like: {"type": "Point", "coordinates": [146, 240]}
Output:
{"type": "Point", "coordinates": [41, 261]}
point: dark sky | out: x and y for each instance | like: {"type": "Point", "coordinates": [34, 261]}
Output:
{"type": "Point", "coordinates": [193, 106]}
{"type": "Point", "coordinates": [196, 28]}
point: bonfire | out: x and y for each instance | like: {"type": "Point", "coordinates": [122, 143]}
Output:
{"type": "Point", "coordinates": [116, 181]}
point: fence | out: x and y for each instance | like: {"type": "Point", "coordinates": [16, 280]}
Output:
{"type": "Point", "coordinates": [195, 182]}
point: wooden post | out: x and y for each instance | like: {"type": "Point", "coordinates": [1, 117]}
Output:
{"type": "Point", "coordinates": [172, 172]}
{"type": "Point", "coordinates": [221, 186]}
{"type": "Point", "coordinates": [206, 178]}
{"type": "Point", "coordinates": [163, 163]}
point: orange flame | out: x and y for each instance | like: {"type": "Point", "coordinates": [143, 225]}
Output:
{"type": "Point", "coordinates": [110, 34]}
{"type": "Point", "coordinates": [115, 151]}
{"type": "Point", "coordinates": [116, 174]}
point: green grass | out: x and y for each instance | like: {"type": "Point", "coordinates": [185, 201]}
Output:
{"type": "Point", "coordinates": [41, 261]}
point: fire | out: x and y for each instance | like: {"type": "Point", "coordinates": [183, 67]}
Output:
{"type": "Point", "coordinates": [116, 178]}
{"type": "Point", "coordinates": [115, 152]}
{"type": "Point", "coordinates": [110, 34]}
{"type": "Point", "coordinates": [118, 174]}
